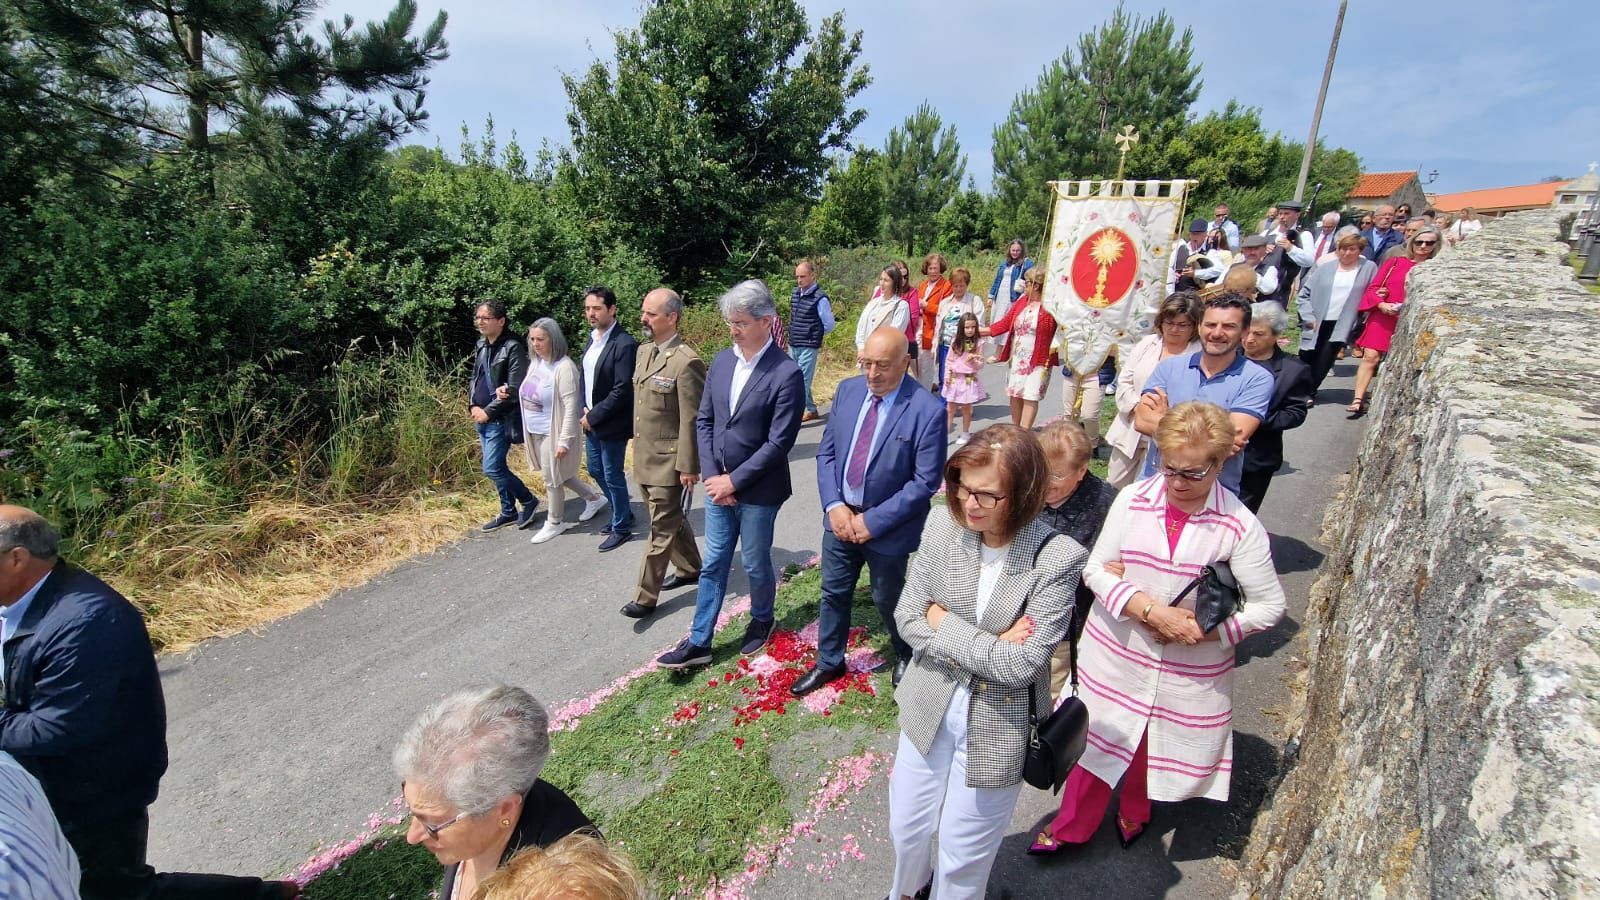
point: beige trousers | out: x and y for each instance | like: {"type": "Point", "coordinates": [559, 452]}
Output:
{"type": "Point", "coordinates": [542, 454]}
{"type": "Point", "coordinates": [671, 540]}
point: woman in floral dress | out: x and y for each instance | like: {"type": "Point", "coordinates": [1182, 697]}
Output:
{"type": "Point", "coordinates": [1033, 334]}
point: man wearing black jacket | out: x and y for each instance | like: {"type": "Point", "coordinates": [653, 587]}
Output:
{"type": "Point", "coordinates": [1291, 399]}
{"type": "Point", "coordinates": [607, 372]}
{"type": "Point", "coordinates": [500, 360]}
{"type": "Point", "coordinates": [84, 714]}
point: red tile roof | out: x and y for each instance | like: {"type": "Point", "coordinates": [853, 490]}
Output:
{"type": "Point", "coordinates": [1522, 196]}
{"type": "Point", "coordinates": [1380, 184]}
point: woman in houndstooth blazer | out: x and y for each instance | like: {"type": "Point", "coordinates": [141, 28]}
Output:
{"type": "Point", "coordinates": [988, 598]}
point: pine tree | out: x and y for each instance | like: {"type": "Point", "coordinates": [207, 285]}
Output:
{"type": "Point", "coordinates": [851, 208]}
{"type": "Point", "coordinates": [1128, 72]}
{"type": "Point", "coordinates": [923, 167]}
{"type": "Point", "coordinates": [168, 75]}
{"type": "Point", "coordinates": [716, 114]}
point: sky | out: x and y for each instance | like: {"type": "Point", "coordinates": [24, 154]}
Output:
{"type": "Point", "coordinates": [1484, 94]}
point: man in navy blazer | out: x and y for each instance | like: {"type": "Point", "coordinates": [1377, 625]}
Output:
{"type": "Point", "coordinates": [749, 417]}
{"type": "Point", "coordinates": [881, 460]}
{"type": "Point", "coordinates": [84, 714]}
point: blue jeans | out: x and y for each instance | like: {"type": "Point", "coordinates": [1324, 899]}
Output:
{"type": "Point", "coordinates": [841, 569]}
{"type": "Point", "coordinates": [604, 459]}
{"type": "Point", "coordinates": [749, 526]}
{"type": "Point", "coordinates": [806, 359]}
{"type": "Point", "coordinates": [495, 442]}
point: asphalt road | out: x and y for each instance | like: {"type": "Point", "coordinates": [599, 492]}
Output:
{"type": "Point", "coordinates": [281, 739]}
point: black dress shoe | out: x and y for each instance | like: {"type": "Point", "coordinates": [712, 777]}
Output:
{"type": "Point", "coordinates": [614, 540]}
{"type": "Point", "coordinates": [817, 677]}
{"type": "Point", "coordinates": [900, 666]}
{"type": "Point", "coordinates": [674, 581]}
{"type": "Point", "coordinates": [635, 611]}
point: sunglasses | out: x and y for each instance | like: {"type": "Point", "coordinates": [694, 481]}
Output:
{"type": "Point", "coordinates": [1426, 243]}
{"type": "Point", "coordinates": [1187, 474]}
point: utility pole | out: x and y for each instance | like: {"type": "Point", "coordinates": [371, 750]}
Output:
{"type": "Point", "coordinates": [1322, 95]}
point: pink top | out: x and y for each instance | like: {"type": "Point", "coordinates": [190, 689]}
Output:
{"type": "Point", "coordinates": [1380, 325]}
{"type": "Point", "coordinates": [964, 363]}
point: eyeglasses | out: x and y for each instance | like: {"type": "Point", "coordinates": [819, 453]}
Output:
{"type": "Point", "coordinates": [1187, 474]}
{"type": "Point", "coordinates": [1177, 323]}
{"type": "Point", "coordinates": [984, 499]}
{"type": "Point", "coordinates": [433, 830]}
{"type": "Point", "coordinates": [485, 318]}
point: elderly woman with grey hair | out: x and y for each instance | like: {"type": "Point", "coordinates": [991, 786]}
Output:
{"type": "Point", "coordinates": [469, 768]}
{"type": "Point", "coordinates": [551, 407]}
{"type": "Point", "coordinates": [1291, 398]}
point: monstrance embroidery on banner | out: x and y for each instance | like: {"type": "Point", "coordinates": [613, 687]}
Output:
{"type": "Point", "coordinates": [1105, 268]}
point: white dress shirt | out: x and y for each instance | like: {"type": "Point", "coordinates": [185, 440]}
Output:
{"type": "Point", "coordinates": [742, 370]}
{"type": "Point", "coordinates": [591, 358]}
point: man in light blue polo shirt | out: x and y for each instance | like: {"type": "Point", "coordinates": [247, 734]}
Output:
{"type": "Point", "coordinates": [1218, 374]}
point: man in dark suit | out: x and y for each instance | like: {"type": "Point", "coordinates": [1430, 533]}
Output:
{"type": "Point", "coordinates": [607, 386]}
{"type": "Point", "coordinates": [881, 461]}
{"type": "Point", "coordinates": [84, 714]}
{"type": "Point", "coordinates": [748, 420]}
{"type": "Point", "coordinates": [1291, 398]}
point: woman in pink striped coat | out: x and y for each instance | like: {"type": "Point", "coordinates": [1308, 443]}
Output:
{"type": "Point", "coordinates": [1160, 692]}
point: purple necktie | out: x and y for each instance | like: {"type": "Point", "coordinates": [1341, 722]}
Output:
{"type": "Point", "coordinates": [856, 472]}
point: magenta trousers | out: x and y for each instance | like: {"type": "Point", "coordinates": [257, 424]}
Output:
{"type": "Point", "coordinates": [1084, 799]}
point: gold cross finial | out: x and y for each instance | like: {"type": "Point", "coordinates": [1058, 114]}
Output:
{"type": "Point", "coordinates": [1125, 140]}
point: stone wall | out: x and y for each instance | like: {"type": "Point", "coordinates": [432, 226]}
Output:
{"type": "Point", "coordinates": [1447, 733]}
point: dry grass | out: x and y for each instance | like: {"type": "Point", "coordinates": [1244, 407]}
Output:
{"type": "Point", "coordinates": [279, 557]}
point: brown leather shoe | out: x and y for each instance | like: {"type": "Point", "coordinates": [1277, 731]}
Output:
{"type": "Point", "coordinates": [810, 417]}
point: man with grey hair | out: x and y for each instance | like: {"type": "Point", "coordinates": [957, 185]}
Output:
{"type": "Point", "coordinates": [84, 714]}
{"type": "Point", "coordinates": [1291, 398]}
{"type": "Point", "coordinates": [668, 380]}
{"type": "Point", "coordinates": [1326, 232]}
{"type": "Point", "coordinates": [748, 420]}
{"type": "Point", "coordinates": [469, 770]}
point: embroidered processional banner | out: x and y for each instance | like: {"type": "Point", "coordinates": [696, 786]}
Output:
{"type": "Point", "coordinates": [1105, 272]}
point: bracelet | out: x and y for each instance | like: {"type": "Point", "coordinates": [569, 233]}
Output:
{"type": "Point", "coordinates": [1146, 616]}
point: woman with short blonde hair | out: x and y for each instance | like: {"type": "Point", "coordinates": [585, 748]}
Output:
{"type": "Point", "coordinates": [1160, 690]}
{"type": "Point", "coordinates": [1329, 295]}
{"type": "Point", "coordinates": [577, 867]}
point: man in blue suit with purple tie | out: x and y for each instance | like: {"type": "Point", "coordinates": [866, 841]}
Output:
{"type": "Point", "coordinates": [881, 461]}
{"type": "Point", "coordinates": [748, 421]}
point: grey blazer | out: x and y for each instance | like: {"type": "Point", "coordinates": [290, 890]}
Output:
{"type": "Point", "coordinates": [964, 651]}
{"type": "Point", "coordinates": [1316, 294]}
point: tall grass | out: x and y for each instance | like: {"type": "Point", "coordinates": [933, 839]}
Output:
{"type": "Point", "coordinates": [235, 519]}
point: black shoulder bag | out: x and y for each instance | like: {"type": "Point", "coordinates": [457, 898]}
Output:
{"type": "Point", "coordinates": [1056, 743]}
{"type": "Point", "coordinates": [1216, 596]}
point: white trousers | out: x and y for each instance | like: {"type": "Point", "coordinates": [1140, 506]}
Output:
{"type": "Point", "coordinates": [929, 796]}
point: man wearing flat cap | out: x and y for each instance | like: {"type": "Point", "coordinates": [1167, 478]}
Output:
{"type": "Point", "coordinates": [1290, 250]}
{"type": "Point", "coordinates": [1254, 248]}
{"type": "Point", "coordinates": [1181, 274]}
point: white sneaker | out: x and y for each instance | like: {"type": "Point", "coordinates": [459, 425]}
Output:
{"type": "Point", "coordinates": [550, 530]}
{"type": "Point", "coordinates": [963, 439]}
{"type": "Point", "coordinates": [592, 508]}
{"type": "Point", "coordinates": [1111, 390]}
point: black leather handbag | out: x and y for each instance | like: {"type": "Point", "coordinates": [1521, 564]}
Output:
{"type": "Point", "coordinates": [1055, 744]}
{"type": "Point", "coordinates": [1057, 741]}
{"type": "Point", "coordinates": [1216, 596]}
